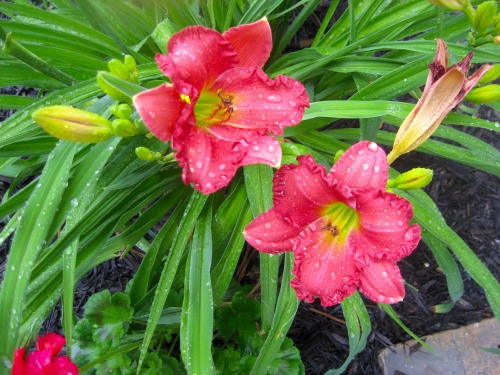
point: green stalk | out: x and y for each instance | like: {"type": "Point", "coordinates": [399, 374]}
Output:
{"type": "Point", "coordinates": [12, 47]}
{"type": "Point", "coordinates": [258, 181]}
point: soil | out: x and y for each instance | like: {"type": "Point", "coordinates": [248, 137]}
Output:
{"type": "Point", "coordinates": [469, 201]}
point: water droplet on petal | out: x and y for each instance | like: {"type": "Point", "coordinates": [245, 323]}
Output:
{"type": "Point", "coordinates": [256, 148]}
{"type": "Point", "coordinates": [373, 147]}
{"type": "Point", "coordinates": [292, 103]}
{"type": "Point", "coordinates": [267, 225]}
{"type": "Point", "coordinates": [211, 174]}
{"type": "Point", "coordinates": [199, 164]}
{"type": "Point", "coordinates": [274, 98]}
{"type": "Point", "coordinates": [365, 166]}
{"type": "Point", "coordinates": [385, 274]}
{"type": "Point", "coordinates": [381, 298]}
{"type": "Point", "coordinates": [258, 242]}
{"type": "Point", "coordinates": [408, 235]}
{"type": "Point", "coordinates": [271, 149]}
{"type": "Point", "coordinates": [263, 117]}
{"type": "Point", "coordinates": [376, 169]}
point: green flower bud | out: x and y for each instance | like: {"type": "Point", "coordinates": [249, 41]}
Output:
{"type": "Point", "coordinates": [491, 74]}
{"type": "Point", "coordinates": [124, 127]}
{"type": "Point", "coordinates": [145, 154]}
{"type": "Point", "coordinates": [485, 94]}
{"type": "Point", "coordinates": [119, 69]}
{"type": "Point", "coordinates": [416, 178]}
{"type": "Point", "coordinates": [485, 16]}
{"type": "Point", "coordinates": [450, 4]}
{"type": "Point", "coordinates": [73, 124]}
{"type": "Point", "coordinates": [111, 90]}
{"type": "Point", "coordinates": [123, 110]}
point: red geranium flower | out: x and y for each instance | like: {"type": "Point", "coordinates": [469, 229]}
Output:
{"type": "Point", "coordinates": [44, 360]}
{"type": "Point", "coordinates": [221, 110]}
{"type": "Point", "coordinates": [345, 229]}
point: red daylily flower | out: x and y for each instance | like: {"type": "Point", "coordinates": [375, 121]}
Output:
{"type": "Point", "coordinates": [44, 360]}
{"type": "Point", "coordinates": [221, 110]}
{"type": "Point", "coordinates": [345, 229]}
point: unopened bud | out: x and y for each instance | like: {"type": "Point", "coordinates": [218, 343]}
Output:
{"type": "Point", "coordinates": [110, 89]}
{"type": "Point", "coordinates": [485, 94]}
{"type": "Point", "coordinates": [73, 124]}
{"type": "Point", "coordinates": [146, 154]}
{"type": "Point", "coordinates": [123, 110]}
{"type": "Point", "coordinates": [491, 74]}
{"type": "Point", "coordinates": [416, 178]}
{"type": "Point", "coordinates": [450, 4]}
{"type": "Point", "coordinates": [485, 16]}
{"type": "Point", "coordinates": [496, 39]}
{"type": "Point", "coordinates": [124, 127]}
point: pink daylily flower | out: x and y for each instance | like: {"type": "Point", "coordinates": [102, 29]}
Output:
{"type": "Point", "coordinates": [345, 229]}
{"type": "Point", "coordinates": [221, 110]}
{"type": "Point", "coordinates": [44, 360]}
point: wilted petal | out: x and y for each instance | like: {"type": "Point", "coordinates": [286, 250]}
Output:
{"type": "Point", "coordinates": [160, 109]}
{"type": "Point", "coordinates": [260, 102]}
{"type": "Point", "coordinates": [362, 165]}
{"type": "Point", "coordinates": [266, 150]}
{"type": "Point", "coordinates": [270, 234]}
{"type": "Point", "coordinates": [51, 341]}
{"type": "Point", "coordinates": [206, 161]}
{"type": "Point", "coordinates": [323, 267]}
{"type": "Point", "coordinates": [196, 56]}
{"type": "Point", "coordinates": [38, 361]}
{"type": "Point", "coordinates": [474, 79]}
{"type": "Point", "coordinates": [382, 282]}
{"type": "Point", "coordinates": [301, 191]}
{"type": "Point", "coordinates": [253, 42]}
{"type": "Point", "coordinates": [63, 366]}
{"type": "Point", "coordinates": [428, 114]}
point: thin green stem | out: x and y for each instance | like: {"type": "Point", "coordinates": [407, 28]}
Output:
{"type": "Point", "coordinates": [12, 47]}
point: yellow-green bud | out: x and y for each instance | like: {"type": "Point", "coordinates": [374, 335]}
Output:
{"type": "Point", "coordinates": [123, 110]}
{"type": "Point", "coordinates": [485, 94]}
{"type": "Point", "coordinates": [145, 154]}
{"type": "Point", "coordinates": [491, 74]}
{"type": "Point", "coordinates": [124, 127]}
{"type": "Point", "coordinates": [485, 16]}
{"type": "Point", "coordinates": [119, 69]}
{"type": "Point", "coordinates": [73, 124]}
{"type": "Point", "coordinates": [337, 156]}
{"type": "Point", "coordinates": [496, 39]}
{"type": "Point", "coordinates": [416, 178]}
{"type": "Point", "coordinates": [450, 4]}
{"type": "Point", "coordinates": [111, 90]}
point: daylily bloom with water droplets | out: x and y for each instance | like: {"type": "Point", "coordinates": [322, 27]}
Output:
{"type": "Point", "coordinates": [44, 360]}
{"type": "Point", "coordinates": [444, 89]}
{"type": "Point", "coordinates": [345, 229]}
{"type": "Point", "coordinates": [221, 110]}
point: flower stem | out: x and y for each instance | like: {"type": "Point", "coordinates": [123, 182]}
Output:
{"type": "Point", "coordinates": [12, 47]}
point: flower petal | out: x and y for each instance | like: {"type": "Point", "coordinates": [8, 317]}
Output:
{"type": "Point", "coordinates": [18, 366]}
{"type": "Point", "coordinates": [265, 150]}
{"type": "Point", "coordinates": [362, 165]}
{"type": "Point", "coordinates": [269, 233]}
{"type": "Point", "coordinates": [300, 191]}
{"type": "Point", "coordinates": [384, 232]}
{"type": "Point", "coordinates": [51, 341]}
{"type": "Point", "coordinates": [253, 42]}
{"type": "Point", "coordinates": [63, 366]}
{"type": "Point", "coordinates": [196, 56]}
{"type": "Point", "coordinates": [38, 361]}
{"type": "Point", "coordinates": [382, 282]}
{"type": "Point", "coordinates": [323, 267]}
{"type": "Point", "coordinates": [206, 161]}
{"type": "Point", "coordinates": [259, 102]}
{"type": "Point", "coordinates": [160, 109]}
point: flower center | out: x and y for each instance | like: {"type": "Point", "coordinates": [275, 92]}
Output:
{"type": "Point", "coordinates": [338, 220]}
{"type": "Point", "coordinates": [213, 108]}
